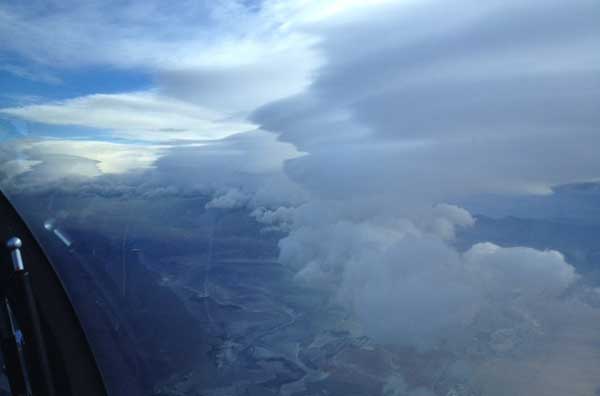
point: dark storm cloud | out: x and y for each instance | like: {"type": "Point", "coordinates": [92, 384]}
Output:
{"type": "Point", "coordinates": [432, 98]}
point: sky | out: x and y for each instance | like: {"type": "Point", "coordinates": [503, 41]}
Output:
{"type": "Point", "coordinates": [358, 127]}
{"type": "Point", "coordinates": [391, 79]}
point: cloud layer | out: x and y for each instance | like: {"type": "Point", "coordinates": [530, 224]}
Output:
{"type": "Point", "coordinates": [137, 116]}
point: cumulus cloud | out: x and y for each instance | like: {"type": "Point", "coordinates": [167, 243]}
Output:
{"type": "Point", "coordinates": [280, 219]}
{"type": "Point", "coordinates": [230, 199]}
{"type": "Point", "coordinates": [519, 271]}
{"type": "Point", "coordinates": [411, 287]}
{"type": "Point", "coordinates": [445, 219]}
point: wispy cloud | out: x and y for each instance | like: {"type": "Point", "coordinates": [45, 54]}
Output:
{"type": "Point", "coordinates": [139, 116]}
{"type": "Point", "coordinates": [221, 57]}
{"type": "Point", "coordinates": [33, 75]}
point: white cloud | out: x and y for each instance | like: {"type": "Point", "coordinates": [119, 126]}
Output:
{"type": "Point", "coordinates": [158, 35]}
{"type": "Point", "coordinates": [15, 167]}
{"type": "Point", "coordinates": [520, 271]}
{"type": "Point", "coordinates": [240, 170]}
{"type": "Point", "coordinates": [141, 116]}
{"type": "Point", "coordinates": [230, 199]}
{"type": "Point", "coordinates": [212, 62]}
{"type": "Point", "coordinates": [112, 158]}
{"type": "Point", "coordinates": [43, 162]}
{"type": "Point", "coordinates": [445, 219]}
{"type": "Point", "coordinates": [281, 218]}
{"type": "Point", "coordinates": [408, 286]}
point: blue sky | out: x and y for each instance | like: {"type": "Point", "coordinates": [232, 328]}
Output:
{"type": "Point", "coordinates": [23, 87]}
{"type": "Point", "coordinates": [147, 55]}
{"type": "Point", "coordinates": [67, 83]}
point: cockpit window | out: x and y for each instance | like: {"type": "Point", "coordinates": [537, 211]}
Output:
{"type": "Point", "coordinates": [292, 197]}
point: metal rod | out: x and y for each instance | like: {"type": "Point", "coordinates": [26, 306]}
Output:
{"type": "Point", "coordinates": [36, 352]}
